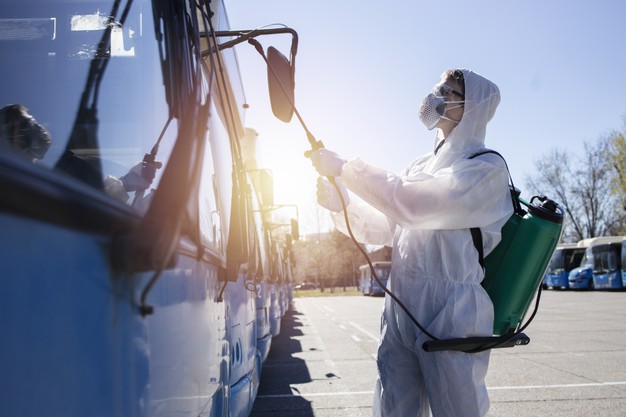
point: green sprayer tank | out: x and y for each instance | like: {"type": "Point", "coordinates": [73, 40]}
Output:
{"type": "Point", "coordinates": [515, 268]}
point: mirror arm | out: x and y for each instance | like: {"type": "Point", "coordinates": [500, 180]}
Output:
{"type": "Point", "coordinates": [244, 35]}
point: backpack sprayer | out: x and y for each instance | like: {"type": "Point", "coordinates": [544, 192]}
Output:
{"type": "Point", "coordinates": [513, 270]}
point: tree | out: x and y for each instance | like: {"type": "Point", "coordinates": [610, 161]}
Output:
{"type": "Point", "coordinates": [310, 255]}
{"type": "Point", "coordinates": [582, 185]}
{"type": "Point", "coordinates": [617, 154]}
{"type": "Point", "coordinates": [329, 260]}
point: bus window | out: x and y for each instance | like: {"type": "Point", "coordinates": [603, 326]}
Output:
{"type": "Point", "coordinates": [587, 260]}
{"type": "Point", "coordinates": [574, 259]}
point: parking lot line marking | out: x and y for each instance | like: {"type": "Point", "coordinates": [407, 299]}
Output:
{"type": "Point", "coordinates": [374, 337]}
{"type": "Point", "coordinates": [336, 394]}
{"type": "Point", "coordinates": [328, 309]}
{"type": "Point", "coordinates": [355, 338]}
{"type": "Point", "coordinates": [317, 394]}
{"type": "Point", "coordinates": [583, 385]}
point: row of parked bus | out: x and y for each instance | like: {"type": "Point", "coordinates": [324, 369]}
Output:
{"type": "Point", "coordinates": [590, 264]}
{"type": "Point", "coordinates": [594, 263]}
{"type": "Point", "coordinates": [145, 265]}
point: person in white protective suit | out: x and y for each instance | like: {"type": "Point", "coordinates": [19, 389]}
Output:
{"type": "Point", "coordinates": [425, 214]}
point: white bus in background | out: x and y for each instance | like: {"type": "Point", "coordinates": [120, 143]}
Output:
{"type": "Point", "coordinates": [601, 266]}
{"type": "Point", "coordinates": [566, 257]}
{"type": "Point", "coordinates": [368, 284]}
{"type": "Point", "coordinates": [607, 269]}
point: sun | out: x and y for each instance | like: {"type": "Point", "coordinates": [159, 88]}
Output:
{"type": "Point", "coordinates": [294, 181]}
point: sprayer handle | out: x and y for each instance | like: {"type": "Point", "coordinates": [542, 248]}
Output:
{"type": "Point", "coordinates": [470, 344]}
{"type": "Point", "coordinates": [315, 146]}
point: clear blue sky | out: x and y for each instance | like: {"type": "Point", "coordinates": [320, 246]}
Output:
{"type": "Point", "coordinates": [363, 67]}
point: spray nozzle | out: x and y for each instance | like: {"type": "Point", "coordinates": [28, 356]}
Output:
{"type": "Point", "coordinates": [151, 159]}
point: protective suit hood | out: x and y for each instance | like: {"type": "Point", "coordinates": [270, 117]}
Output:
{"type": "Point", "coordinates": [481, 100]}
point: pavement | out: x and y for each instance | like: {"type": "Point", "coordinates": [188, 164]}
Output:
{"type": "Point", "coordinates": [322, 364]}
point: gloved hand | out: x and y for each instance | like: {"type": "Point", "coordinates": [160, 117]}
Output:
{"type": "Point", "coordinates": [327, 163]}
{"type": "Point", "coordinates": [139, 177]}
{"type": "Point", "coordinates": [327, 196]}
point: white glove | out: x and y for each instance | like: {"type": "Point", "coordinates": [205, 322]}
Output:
{"type": "Point", "coordinates": [328, 197]}
{"type": "Point", "coordinates": [327, 163]}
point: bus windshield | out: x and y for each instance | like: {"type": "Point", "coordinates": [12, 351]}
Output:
{"type": "Point", "coordinates": [557, 263]}
{"type": "Point", "coordinates": [605, 258]}
{"type": "Point", "coordinates": [587, 261]}
{"type": "Point", "coordinates": [382, 272]}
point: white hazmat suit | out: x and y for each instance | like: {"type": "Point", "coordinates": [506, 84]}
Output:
{"type": "Point", "coordinates": [425, 214]}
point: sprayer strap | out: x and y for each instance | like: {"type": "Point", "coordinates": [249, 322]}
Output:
{"type": "Point", "coordinates": [477, 236]}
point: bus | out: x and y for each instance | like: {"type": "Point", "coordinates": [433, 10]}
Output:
{"type": "Point", "coordinates": [598, 267]}
{"type": "Point", "coordinates": [623, 261]}
{"type": "Point", "coordinates": [368, 284]}
{"type": "Point", "coordinates": [607, 269]}
{"type": "Point", "coordinates": [566, 257]}
{"type": "Point", "coordinates": [137, 273]}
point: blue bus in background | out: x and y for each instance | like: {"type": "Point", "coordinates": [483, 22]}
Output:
{"type": "Point", "coordinates": [368, 284]}
{"type": "Point", "coordinates": [623, 261]}
{"type": "Point", "coordinates": [607, 269]}
{"type": "Point", "coordinates": [566, 257]}
{"type": "Point", "coordinates": [600, 264]}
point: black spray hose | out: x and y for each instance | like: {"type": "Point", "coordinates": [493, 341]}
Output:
{"type": "Point", "coordinates": [369, 262]}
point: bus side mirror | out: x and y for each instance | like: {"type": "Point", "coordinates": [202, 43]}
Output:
{"type": "Point", "coordinates": [280, 77]}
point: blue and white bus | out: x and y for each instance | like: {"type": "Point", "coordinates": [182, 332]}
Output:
{"type": "Point", "coordinates": [623, 261]}
{"type": "Point", "coordinates": [607, 269]}
{"type": "Point", "coordinates": [599, 261]}
{"type": "Point", "coordinates": [132, 252]}
{"type": "Point", "coordinates": [368, 284]}
{"type": "Point", "coordinates": [566, 257]}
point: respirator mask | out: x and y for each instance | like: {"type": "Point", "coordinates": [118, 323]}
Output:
{"type": "Point", "coordinates": [433, 106]}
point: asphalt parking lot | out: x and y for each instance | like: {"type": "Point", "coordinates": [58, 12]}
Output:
{"type": "Point", "coordinates": [323, 362]}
